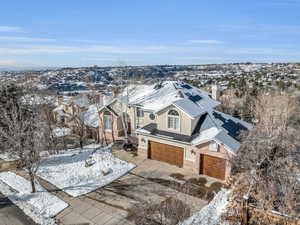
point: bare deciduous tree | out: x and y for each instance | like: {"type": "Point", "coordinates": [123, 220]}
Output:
{"type": "Point", "coordinates": [169, 212]}
{"type": "Point", "coordinates": [267, 167]}
{"type": "Point", "coordinates": [80, 128]}
{"type": "Point", "coordinates": [23, 131]}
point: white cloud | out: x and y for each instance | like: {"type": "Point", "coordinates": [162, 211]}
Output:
{"type": "Point", "coordinates": [205, 41]}
{"type": "Point", "coordinates": [29, 39]}
{"type": "Point", "coordinates": [106, 49]}
{"type": "Point", "coordinates": [9, 29]}
{"type": "Point", "coordinates": [263, 51]}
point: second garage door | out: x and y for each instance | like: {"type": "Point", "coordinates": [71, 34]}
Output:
{"type": "Point", "coordinates": [166, 153]}
{"type": "Point", "coordinates": [213, 166]}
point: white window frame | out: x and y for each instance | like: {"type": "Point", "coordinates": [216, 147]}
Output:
{"type": "Point", "coordinates": [139, 112]}
{"type": "Point", "coordinates": [213, 146]}
{"type": "Point", "coordinates": [104, 119]}
{"type": "Point", "coordinates": [174, 117]}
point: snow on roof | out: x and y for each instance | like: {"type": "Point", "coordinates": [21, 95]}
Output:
{"type": "Point", "coordinates": [60, 111]}
{"type": "Point", "coordinates": [81, 101]}
{"type": "Point", "coordinates": [91, 116]}
{"type": "Point", "coordinates": [206, 135]}
{"type": "Point", "coordinates": [222, 128]}
{"type": "Point", "coordinates": [141, 130]}
{"type": "Point", "coordinates": [159, 96]}
{"type": "Point", "coordinates": [230, 143]}
{"type": "Point", "coordinates": [189, 107]}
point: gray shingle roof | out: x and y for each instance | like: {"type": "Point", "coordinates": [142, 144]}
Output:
{"type": "Point", "coordinates": [229, 127]}
{"type": "Point", "coordinates": [152, 129]}
{"type": "Point", "coordinates": [189, 107]}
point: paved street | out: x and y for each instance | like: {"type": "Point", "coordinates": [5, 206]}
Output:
{"type": "Point", "coordinates": [11, 214]}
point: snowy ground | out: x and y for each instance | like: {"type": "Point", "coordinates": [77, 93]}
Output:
{"type": "Point", "coordinates": [211, 213]}
{"type": "Point", "coordinates": [60, 132]}
{"type": "Point", "coordinates": [7, 157]}
{"type": "Point", "coordinates": [40, 206]}
{"type": "Point", "coordinates": [67, 171]}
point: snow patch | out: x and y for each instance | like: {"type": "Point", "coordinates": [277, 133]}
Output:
{"type": "Point", "coordinates": [206, 135]}
{"type": "Point", "coordinates": [41, 206]}
{"type": "Point", "coordinates": [68, 171]}
{"type": "Point", "coordinates": [61, 132]}
{"type": "Point", "coordinates": [211, 213]}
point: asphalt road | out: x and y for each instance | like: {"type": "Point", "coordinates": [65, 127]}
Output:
{"type": "Point", "coordinates": [11, 214]}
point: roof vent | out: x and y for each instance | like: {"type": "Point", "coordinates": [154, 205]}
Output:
{"type": "Point", "coordinates": [179, 94]}
{"type": "Point", "coordinates": [158, 85]}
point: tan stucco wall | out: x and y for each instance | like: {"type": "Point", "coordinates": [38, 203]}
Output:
{"type": "Point", "coordinates": [204, 149]}
{"type": "Point", "coordinates": [185, 121]}
{"type": "Point", "coordinates": [187, 124]}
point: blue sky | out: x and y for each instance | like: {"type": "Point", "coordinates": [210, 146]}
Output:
{"type": "Point", "coordinates": [142, 32]}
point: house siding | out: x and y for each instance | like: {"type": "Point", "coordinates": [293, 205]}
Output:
{"type": "Point", "coordinates": [110, 135]}
{"type": "Point", "coordinates": [185, 121]}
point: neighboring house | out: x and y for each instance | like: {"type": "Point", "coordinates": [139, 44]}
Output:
{"type": "Point", "coordinates": [177, 123]}
{"type": "Point", "coordinates": [75, 112]}
{"type": "Point", "coordinates": [69, 107]}
{"type": "Point", "coordinates": [111, 122]}
{"type": "Point", "coordinates": [90, 119]}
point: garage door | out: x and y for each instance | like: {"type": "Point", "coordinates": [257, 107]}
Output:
{"type": "Point", "coordinates": [213, 166]}
{"type": "Point", "coordinates": [166, 153]}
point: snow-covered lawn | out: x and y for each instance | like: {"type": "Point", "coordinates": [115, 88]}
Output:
{"type": "Point", "coordinates": [68, 172]}
{"type": "Point", "coordinates": [211, 213]}
{"type": "Point", "coordinates": [41, 206]}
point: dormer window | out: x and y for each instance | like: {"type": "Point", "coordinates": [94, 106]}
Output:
{"type": "Point", "coordinates": [173, 120]}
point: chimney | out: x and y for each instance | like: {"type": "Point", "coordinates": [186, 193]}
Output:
{"type": "Point", "coordinates": [215, 91]}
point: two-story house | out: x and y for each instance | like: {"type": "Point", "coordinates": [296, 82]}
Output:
{"type": "Point", "coordinates": [175, 123]}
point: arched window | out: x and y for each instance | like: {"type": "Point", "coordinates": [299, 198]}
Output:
{"type": "Point", "coordinates": [107, 120]}
{"type": "Point", "coordinates": [173, 112]}
{"type": "Point", "coordinates": [173, 120]}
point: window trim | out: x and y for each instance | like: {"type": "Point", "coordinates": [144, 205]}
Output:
{"type": "Point", "coordinates": [213, 146]}
{"type": "Point", "coordinates": [110, 118]}
{"type": "Point", "coordinates": [152, 114]}
{"type": "Point", "coordinates": [140, 113]}
{"type": "Point", "coordinates": [174, 117]}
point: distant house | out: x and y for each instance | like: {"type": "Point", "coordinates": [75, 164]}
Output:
{"type": "Point", "coordinates": [68, 107]}
{"type": "Point", "coordinates": [178, 124]}
{"type": "Point", "coordinates": [78, 108]}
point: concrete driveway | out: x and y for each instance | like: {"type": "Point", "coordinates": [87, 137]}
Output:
{"type": "Point", "coordinates": [11, 214]}
{"type": "Point", "coordinates": [150, 181]}
{"type": "Point", "coordinates": [111, 205]}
